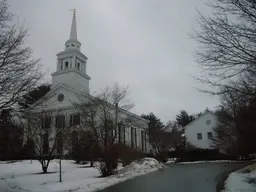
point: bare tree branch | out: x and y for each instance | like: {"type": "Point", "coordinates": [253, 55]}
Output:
{"type": "Point", "coordinates": [19, 73]}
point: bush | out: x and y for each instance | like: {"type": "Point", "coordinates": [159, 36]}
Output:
{"type": "Point", "coordinates": [202, 154]}
{"type": "Point", "coordinates": [109, 162]}
{"type": "Point", "coordinates": [162, 156]}
{"type": "Point", "coordinates": [127, 154]}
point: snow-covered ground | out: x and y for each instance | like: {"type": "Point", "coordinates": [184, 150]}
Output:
{"type": "Point", "coordinates": [242, 180]}
{"type": "Point", "coordinates": [25, 177]}
{"type": "Point", "coordinates": [214, 161]}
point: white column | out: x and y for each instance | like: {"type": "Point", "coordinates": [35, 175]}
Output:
{"type": "Point", "coordinates": [58, 64]}
{"type": "Point", "coordinates": [84, 67]}
{"type": "Point", "coordinates": [73, 64]}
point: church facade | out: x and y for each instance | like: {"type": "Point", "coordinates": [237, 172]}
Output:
{"type": "Point", "coordinates": [70, 82]}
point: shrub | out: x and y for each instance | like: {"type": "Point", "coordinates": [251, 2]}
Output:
{"type": "Point", "coordinates": [127, 154]}
{"type": "Point", "coordinates": [202, 154]}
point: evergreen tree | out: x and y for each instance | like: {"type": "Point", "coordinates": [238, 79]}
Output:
{"type": "Point", "coordinates": [155, 125]}
{"type": "Point", "coordinates": [34, 95]}
{"type": "Point", "coordinates": [183, 118]}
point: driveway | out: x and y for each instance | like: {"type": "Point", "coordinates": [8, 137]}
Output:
{"type": "Point", "coordinates": [179, 178]}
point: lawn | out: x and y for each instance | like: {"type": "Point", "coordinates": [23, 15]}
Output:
{"type": "Point", "coordinates": [25, 176]}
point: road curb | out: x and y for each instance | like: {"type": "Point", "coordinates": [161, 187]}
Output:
{"type": "Point", "coordinates": [223, 177]}
{"type": "Point", "coordinates": [221, 183]}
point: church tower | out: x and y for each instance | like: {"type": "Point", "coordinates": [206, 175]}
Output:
{"type": "Point", "coordinates": [71, 64]}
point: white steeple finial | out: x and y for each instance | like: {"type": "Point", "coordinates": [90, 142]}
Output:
{"type": "Point", "coordinates": [73, 32]}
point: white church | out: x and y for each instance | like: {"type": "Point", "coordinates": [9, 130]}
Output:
{"type": "Point", "coordinates": [70, 81]}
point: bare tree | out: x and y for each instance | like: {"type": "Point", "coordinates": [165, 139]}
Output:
{"type": "Point", "coordinates": [48, 131]}
{"type": "Point", "coordinates": [19, 73]}
{"type": "Point", "coordinates": [106, 116]}
{"type": "Point", "coordinates": [235, 132]}
{"type": "Point", "coordinates": [227, 45]}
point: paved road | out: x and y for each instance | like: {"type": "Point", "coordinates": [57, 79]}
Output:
{"type": "Point", "coordinates": [179, 178]}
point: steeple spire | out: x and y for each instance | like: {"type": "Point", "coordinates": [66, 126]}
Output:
{"type": "Point", "coordinates": [73, 32]}
{"type": "Point", "coordinates": [73, 43]}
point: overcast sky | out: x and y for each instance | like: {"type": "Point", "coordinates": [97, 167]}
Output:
{"type": "Point", "coordinates": [141, 43]}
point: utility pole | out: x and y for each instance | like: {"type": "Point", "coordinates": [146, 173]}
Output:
{"type": "Point", "coordinates": [60, 179]}
{"type": "Point", "coordinates": [61, 149]}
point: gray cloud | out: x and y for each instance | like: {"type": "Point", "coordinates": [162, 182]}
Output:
{"type": "Point", "coordinates": [144, 44]}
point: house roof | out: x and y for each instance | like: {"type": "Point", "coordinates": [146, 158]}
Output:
{"type": "Point", "coordinates": [201, 116]}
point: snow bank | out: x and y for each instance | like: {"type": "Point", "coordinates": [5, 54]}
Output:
{"type": "Point", "coordinates": [215, 161]}
{"type": "Point", "coordinates": [142, 166]}
{"type": "Point", "coordinates": [242, 180]}
{"type": "Point", "coordinates": [170, 161]}
{"type": "Point", "coordinates": [23, 176]}
{"type": "Point", "coordinates": [134, 169]}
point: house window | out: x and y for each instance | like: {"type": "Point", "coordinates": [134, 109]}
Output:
{"type": "Point", "coordinates": [199, 136]}
{"type": "Point", "coordinates": [208, 122]}
{"type": "Point", "coordinates": [121, 131]}
{"type": "Point", "coordinates": [209, 135]}
{"type": "Point", "coordinates": [74, 119]}
{"type": "Point", "coordinates": [133, 137]}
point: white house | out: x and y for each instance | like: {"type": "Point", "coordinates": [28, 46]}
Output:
{"type": "Point", "coordinates": [199, 132]}
{"type": "Point", "coordinates": [70, 81]}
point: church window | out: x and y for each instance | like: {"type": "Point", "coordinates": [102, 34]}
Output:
{"type": "Point", "coordinates": [46, 122]}
{"type": "Point", "coordinates": [121, 133]}
{"type": "Point", "coordinates": [60, 121]}
{"type": "Point", "coordinates": [45, 143]}
{"type": "Point", "coordinates": [60, 97]}
{"type": "Point", "coordinates": [143, 140]}
{"type": "Point", "coordinates": [78, 66]}
{"type": "Point", "coordinates": [77, 46]}
{"type": "Point", "coordinates": [74, 119]}
{"type": "Point", "coordinates": [72, 45]}
{"type": "Point", "coordinates": [61, 66]}
{"type": "Point", "coordinates": [133, 137]}
{"type": "Point", "coordinates": [66, 64]}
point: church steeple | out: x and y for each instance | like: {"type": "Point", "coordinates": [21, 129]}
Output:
{"type": "Point", "coordinates": [71, 63]}
{"type": "Point", "coordinates": [73, 32]}
{"type": "Point", "coordinates": [73, 43]}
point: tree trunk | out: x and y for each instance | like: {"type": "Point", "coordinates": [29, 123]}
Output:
{"type": "Point", "coordinates": [44, 168]}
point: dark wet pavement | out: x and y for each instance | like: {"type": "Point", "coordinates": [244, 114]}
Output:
{"type": "Point", "coordinates": [179, 178]}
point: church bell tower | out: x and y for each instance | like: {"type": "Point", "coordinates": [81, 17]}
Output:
{"type": "Point", "coordinates": [71, 64]}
